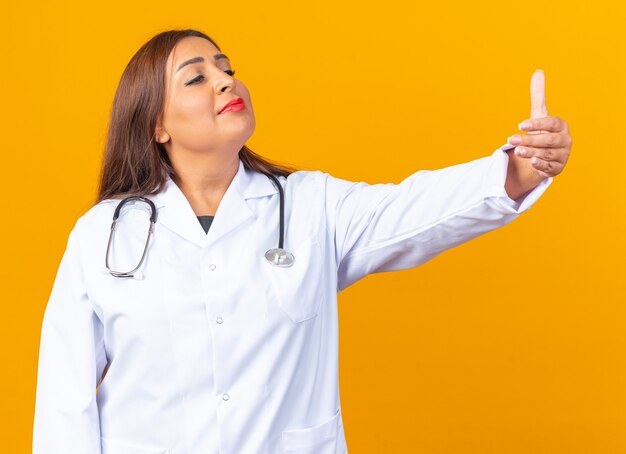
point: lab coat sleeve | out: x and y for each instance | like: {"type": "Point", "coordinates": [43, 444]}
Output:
{"type": "Point", "coordinates": [387, 227]}
{"type": "Point", "coordinates": [71, 361]}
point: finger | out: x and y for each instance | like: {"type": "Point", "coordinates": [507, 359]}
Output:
{"type": "Point", "coordinates": [545, 154]}
{"type": "Point", "coordinates": [549, 124]}
{"type": "Point", "coordinates": [542, 173]}
{"type": "Point", "coordinates": [538, 95]}
{"type": "Point", "coordinates": [546, 168]}
{"type": "Point", "coordinates": [540, 140]}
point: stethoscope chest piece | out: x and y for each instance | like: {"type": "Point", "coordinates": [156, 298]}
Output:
{"type": "Point", "coordinates": [279, 257]}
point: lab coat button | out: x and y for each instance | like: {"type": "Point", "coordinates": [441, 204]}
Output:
{"type": "Point", "coordinates": [219, 320]}
{"type": "Point", "coordinates": [212, 267]}
{"type": "Point", "coordinates": [225, 396]}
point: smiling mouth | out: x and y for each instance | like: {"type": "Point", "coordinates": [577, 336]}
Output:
{"type": "Point", "coordinates": [234, 105]}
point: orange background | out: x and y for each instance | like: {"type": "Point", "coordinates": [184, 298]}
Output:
{"type": "Point", "coordinates": [512, 343]}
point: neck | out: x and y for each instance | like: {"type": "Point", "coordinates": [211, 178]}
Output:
{"type": "Point", "coordinates": [204, 179]}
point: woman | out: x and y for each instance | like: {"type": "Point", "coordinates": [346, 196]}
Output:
{"type": "Point", "coordinates": [218, 342]}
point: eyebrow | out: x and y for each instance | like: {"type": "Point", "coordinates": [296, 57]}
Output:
{"type": "Point", "coordinates": [200, 60]}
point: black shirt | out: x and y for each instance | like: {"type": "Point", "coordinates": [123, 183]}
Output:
{"type": "Point", "coordinates": [205, 222]}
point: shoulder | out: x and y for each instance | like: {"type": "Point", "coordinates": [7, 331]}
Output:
{"type": "Point", "coordinates": [323, 184]}
{"type": "Point", "coordinates": [316, 181]}
{"type": "Point", "coordinates": [303, 177]}
{"type": "Point", "coordinates": [99, 211]}
{"type": "Point", "coordinates": [96, 219]}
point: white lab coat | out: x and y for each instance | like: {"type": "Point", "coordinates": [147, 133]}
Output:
{"type": "Point", "coordinates": [215, 350]}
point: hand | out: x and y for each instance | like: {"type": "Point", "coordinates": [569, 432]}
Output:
{"type": "Point", "coordinates": [548, 141]}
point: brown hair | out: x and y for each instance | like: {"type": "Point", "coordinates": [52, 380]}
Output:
{"type": "Point", "coordinates": [134, 163]}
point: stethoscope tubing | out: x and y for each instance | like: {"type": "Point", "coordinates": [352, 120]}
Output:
{"type": "Point", "coordinates": [281, 221]}
{"type": "Point", "coordinates": [116, 215]}
{"type": "Point", "coordinates": [277, 256]}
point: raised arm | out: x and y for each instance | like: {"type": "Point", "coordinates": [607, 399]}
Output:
{"type": "Point", "coordinates": [387, 227]}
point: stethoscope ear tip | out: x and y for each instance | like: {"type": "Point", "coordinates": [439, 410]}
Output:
{"type": "Point", "coordinates": [279, 257]}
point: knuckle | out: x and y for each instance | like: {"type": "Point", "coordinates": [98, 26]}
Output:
{"type": "Point", "coordinates": [554, 123]}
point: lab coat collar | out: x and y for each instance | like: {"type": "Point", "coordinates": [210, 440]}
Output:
{"type": "Point", "coordinates": [175, 212]}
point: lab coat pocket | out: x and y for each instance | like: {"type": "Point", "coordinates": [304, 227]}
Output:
{"type": "Point", "coordinates": [110, 446]}
{"type": "Point", "coordinates": [299, 289]}
{"type": "Point", "coordinates": [319, 439]}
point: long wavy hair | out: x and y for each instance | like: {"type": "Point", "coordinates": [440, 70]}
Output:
{"type": "Point", "coordinates": [134, 162]}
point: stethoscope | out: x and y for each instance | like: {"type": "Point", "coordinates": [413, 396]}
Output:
{"type": "Point", "coordinates": [276, 256]}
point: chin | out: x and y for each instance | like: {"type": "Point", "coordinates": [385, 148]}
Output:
{"type": "Point", "coordinates": [242, 131]}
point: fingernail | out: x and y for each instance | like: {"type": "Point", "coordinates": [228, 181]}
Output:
{"type": "Point", "coordinates": [524, 125]}
{"type": "Point", "coordinates": [520, 151]}
{"type": "Point", "coordinates": [534, 160]}
{"type": "Point", "coordinates": [515, 140]}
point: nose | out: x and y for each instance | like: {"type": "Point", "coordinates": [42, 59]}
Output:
{"type": "Point", "coordinates": [224, 83]}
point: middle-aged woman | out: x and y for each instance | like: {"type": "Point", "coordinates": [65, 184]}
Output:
{"type": "Point", "coordinates": [223, 336]}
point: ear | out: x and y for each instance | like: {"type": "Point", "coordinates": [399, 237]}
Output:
{"type": "Point", "coordinates": [160, 135]}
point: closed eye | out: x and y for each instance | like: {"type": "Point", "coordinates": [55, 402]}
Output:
{"type": "Point", "coordinates": [197, 79]}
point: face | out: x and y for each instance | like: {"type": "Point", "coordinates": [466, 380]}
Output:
{"type": "Point", "coordinates": [194, 95]}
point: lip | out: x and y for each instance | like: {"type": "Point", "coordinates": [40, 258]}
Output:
{"type": "Point", "coordinates": [238, 102]}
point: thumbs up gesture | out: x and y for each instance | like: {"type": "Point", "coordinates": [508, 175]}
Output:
{"type": "Point", "coordinates": [548, 142]}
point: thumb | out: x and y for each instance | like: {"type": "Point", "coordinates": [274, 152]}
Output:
{"type": "Point", "coordinates": [538, 95]}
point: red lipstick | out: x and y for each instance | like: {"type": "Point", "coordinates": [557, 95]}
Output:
{"type": "Point", "coordinates": [233, 105]}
